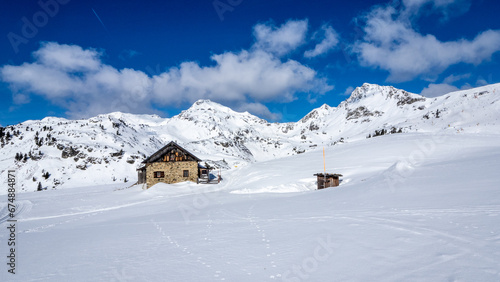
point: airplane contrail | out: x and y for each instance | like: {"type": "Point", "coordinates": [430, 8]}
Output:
{"type": "Point", "coordinates": [99, 19]}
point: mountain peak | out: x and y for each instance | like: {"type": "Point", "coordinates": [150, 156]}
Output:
{"type": "Point", "coordinates": [204, 102]}
{"type": "Point", "coordinates": [368, 90]}
{"type": "Point", "coordinates": [207, 108]}
{"type": "Point", "coordinates": [208, 104]}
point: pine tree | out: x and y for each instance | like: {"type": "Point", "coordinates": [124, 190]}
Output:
{"type": "Point", "coordinates": [40, 188]}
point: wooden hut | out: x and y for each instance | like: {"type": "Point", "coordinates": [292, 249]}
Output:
{"type": "Point", "coordinates": [203, 172]}
{"type": "Point", "coordinates": [141, 175]}
{"type": "Point", "coordinates": [326, 180]}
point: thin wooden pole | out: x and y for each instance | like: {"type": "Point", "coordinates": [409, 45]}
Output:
{"type": "Point", "coordinates": [324, 168]}
{"type": "Point", "coordinates": [324, 161]}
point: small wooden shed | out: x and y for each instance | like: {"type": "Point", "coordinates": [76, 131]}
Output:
{"type": "Point", "coordinates": [326, 180]}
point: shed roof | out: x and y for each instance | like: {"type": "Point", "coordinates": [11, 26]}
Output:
{"type": "Point", "coordinates": [154, 157]}
{"type": "Point", "coordinates": [328, 174]}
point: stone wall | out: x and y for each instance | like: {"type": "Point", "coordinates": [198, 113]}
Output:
{"type": "Point", "coordinates": [173, 172]}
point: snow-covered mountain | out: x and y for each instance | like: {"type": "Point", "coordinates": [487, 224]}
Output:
{"type": "Point", "coordinates": [107, 148]}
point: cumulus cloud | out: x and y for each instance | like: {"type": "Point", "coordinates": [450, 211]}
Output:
{"type": "Point", "coordinates": [481, 82]}
{"type": "Point", "coordinates": [70, 58]}
{"type": "Point", "coordinates": [331, 39]}
{"type": "Point", "coordinates": [236, 77]}
{"type": "Point", "coordinates": [454, 78]}
{"type": "Point", "coordinates": [260, 110]}
{"type": "Point", "coordinates": [280, 40]}
{"type": "Point", "coordinates": [78, 80]}
{"type": "Point", "coordinates": [391, 43]}
{"type": "Point", "coordinates": [435, 90]}
{"type": "Point", "coordinates": [348, 91]}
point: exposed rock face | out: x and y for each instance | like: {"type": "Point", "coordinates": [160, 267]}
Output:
{"type": "Point", "coordinates": [69, 152]}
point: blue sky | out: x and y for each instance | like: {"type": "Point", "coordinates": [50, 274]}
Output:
{"type": "Point", "coordinates": [275, 59]}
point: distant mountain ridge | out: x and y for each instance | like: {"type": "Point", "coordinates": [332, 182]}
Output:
{"type": "Point", "coordinates": [109, 147]}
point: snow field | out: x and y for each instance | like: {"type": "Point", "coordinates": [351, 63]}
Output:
{"type": "Point", "coordinates": [411, 207]}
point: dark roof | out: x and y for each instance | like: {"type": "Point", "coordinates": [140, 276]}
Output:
{"type": "Point", "coordinates": [328, 174]}
{"type": "Point", "coordinates": [154, 157]}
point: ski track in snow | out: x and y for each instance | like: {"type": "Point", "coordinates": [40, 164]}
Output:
{"type": "Point", "coordinates": [218, 274]}
{"type": "Point", "coordinates": [267, 251]}
{"type": "Point", "coordinates": [88, 212]}
{"type": "Point", "coordinates": [73, 216]}
{"type": "Point", "coordinates": [22, 208]}
{"type": "Point", "coordinates": [465, 245]}
{"type": "Point", "coordinates": [47, 226]}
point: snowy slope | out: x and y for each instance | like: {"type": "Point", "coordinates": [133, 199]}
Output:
{"type": "Point", "coordinates": [411, 207]}
{"type": "Point", "coordinates": [108, 148]}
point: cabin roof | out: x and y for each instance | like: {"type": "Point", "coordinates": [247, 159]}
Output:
{"type": "Point", "coordinates": [328, 174]}
{"type": "Point", "coordinates": [156, 156]}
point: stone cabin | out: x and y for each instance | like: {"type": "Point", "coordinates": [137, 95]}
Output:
{"type": "Point", "coordinates": [171, 164]}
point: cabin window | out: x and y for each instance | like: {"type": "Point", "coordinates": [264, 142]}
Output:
{"type": "Point", "coordinates": [185, 173]}
{"type": "Point", "coordinates": [203, 171]}
{"type": "Point", "coordinates": [159, 174]}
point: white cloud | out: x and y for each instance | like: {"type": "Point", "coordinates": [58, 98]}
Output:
{"type": "Point", "coordinates": [69, 58]}
{"type": "Point", "coordinates": [418, 4]}
{"type": "Point", "coordinates": [331, 39]}
{"type": "Point", "coordinates": [454, 78]}
{"type": "Point", "coordinates": [435, 90]}
{"type": "Point", "coordinates": [481, 82]}
{"type": "Point", "coordinates": [20, 99]}
{"type": "Point", "coordinates": [260, 110]}
{"type": "Point", "coordinates": [280, 40]}
{"type": "Point", "coordinates": [77, 79]}
{"type": "Point", "coordinates": [448, 8]}
{"type": "Point", "coordinates": [237, 76]}
{"type": "Point", "coordinates": [390, 43]}
{"type": "Point", "coordinates": [348, 91]}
